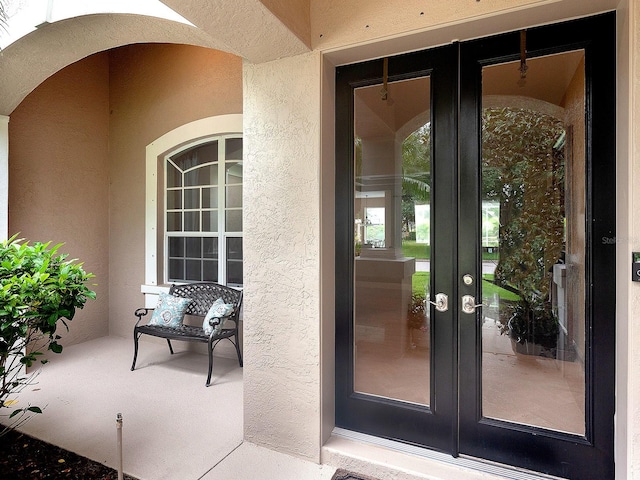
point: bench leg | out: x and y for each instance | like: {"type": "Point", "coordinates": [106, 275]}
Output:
{"type": "Point", "coordinates": [210, 364]}
{"type": "Point", "coordinates": [237, 344]}
{"type": "Point", "coordinates": [135, 349]}
{"type": "Point", "coordinates": [170, 347]}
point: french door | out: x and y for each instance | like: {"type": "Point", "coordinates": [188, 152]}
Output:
{"type": "Point", "coordinates": [475, 286]}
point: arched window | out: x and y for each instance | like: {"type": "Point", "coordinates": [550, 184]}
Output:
{"type": "Point", "coordinates": [203, 212]}
{"type": "Point", "coordinates": [193, 220]}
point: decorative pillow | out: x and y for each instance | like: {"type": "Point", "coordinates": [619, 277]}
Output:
{"type": "Point", "coordinates": [218, 310]}
{"type": "Point", "coordinates": [170, 311]}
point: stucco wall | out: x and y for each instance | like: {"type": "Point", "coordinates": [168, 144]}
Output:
{"type": "Point", "coordinates": [295, 14]}
{"type": "Point", "coordinates": [282, 259]}
{"type": "Point", "coordinates": [154, 88]}
{"type": "Point", "coordinates": [351, 31]}
{"type": "Point", "coordinates": [339, 23]}
{"type": "Point", "coordinates": [58, 177]}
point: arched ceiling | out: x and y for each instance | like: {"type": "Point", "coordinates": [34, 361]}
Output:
{"type": "Point", "coordinates": [33, 58]}
{"type": "Point", "coordinates": [243, 27]}
{"type": "Point", "coordinates": [407, 105]}
{"type": "Point", "coordinates": [407, 102]}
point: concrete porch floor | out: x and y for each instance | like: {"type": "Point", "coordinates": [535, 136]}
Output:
{"type": "Point", "coordinates": [174, 428]}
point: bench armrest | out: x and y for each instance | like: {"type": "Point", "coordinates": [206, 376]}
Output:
{"type": "Point", "coordinates": [141, 312]}
{"type": "Point", "coordinates": [219, 320]}
{"type": "Point", "coordinates": [216, 320]}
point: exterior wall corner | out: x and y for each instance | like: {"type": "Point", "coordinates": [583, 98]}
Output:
{"type": "Point", "coordinates": [282, 255]}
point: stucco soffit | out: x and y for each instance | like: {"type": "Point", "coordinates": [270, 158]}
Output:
{"type": "Point", "coordinates": [33, 58]}
{"type": "Point", "coordinates": [248, 27]}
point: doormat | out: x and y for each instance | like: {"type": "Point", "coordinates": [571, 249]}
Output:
{"type": "Point", "coordinates": [344, 475]}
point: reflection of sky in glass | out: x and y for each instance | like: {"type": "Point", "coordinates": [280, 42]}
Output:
{"type": "Point", "coordinates": [374, 230]}
{"type": "Point", "coordinates": [423, 215]}
{"type": "Point", "coordinates": [490, 223]}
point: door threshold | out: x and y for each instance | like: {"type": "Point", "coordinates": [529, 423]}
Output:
{"type": "Point", "coordinates": [372, 455]}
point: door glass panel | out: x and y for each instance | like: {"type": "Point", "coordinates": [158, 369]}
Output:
{"type": "Point", "coordinates": [533, 242]}
{"type": "Point", "coordinates": [392, 194]}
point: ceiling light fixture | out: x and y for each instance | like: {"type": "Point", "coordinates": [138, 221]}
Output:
{"type": "Point", "coordinates": [384, 93]}
{"type": "Point", "coordinates": [523, 54]}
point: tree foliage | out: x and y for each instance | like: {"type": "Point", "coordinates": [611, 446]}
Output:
{"type": "Point", "coordinates": [38, 289]}
{"type": "Point", "coordinates": [525, 173]}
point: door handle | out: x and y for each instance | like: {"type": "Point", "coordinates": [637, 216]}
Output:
{"type": "Point", "coordinates": [441, 303]}
{"type": "Point", "coordinates": [469, 304]}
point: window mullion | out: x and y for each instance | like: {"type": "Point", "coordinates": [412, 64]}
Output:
{"type": "Point", "coordinates": [222, 212]}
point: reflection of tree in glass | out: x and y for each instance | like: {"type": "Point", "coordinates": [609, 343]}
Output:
{"type": "Point", "coordinates": [524, 172]}
{"type": "Point", "coordinates": [416, 174]}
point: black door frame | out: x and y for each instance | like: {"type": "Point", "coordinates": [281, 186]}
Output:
{"type": "Point", "coordinates": [588, 456]}
{"type": "Point", "coordinates": [434, 425]}
{"type": "Point", "coordinates": [551, 452]}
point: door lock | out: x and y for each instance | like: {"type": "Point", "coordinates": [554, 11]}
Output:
{"type": "Point", "coordinates": [469, 304]}
{"type": "Point", "coordinates": [441, 303]}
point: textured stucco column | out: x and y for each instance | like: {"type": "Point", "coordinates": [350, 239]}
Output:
{"type": "Point", "coordinates": [282, 255]}
{"type": "Point", "coordinates": [4, 177]}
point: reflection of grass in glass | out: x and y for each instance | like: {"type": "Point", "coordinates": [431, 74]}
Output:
{"type": "Point", "coordinates": [489, 289]}
{"type": "Point", "coordinates": [420, 281]}
{"type": "Point", "coordinates": [490, 256]}
{"type": "Point", "coordinates": [411, 248]}
{"type": "Point", "coordinates": [422, 251]}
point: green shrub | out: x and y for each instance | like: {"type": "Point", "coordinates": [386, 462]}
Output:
{"type": "Point", "coordinates": [418, 310]}
{"type": "Point", "coordinates": [38, 288]}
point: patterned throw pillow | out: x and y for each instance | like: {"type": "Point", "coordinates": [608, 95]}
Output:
{"type": "Point", "coordinates": [218, 309]}
{"type": "Point", "coordinates": [170, 311]}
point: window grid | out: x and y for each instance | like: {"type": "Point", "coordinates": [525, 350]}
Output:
{"type": "Point", "coordinates": [198, 213]}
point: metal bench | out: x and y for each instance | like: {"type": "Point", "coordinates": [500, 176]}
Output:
{"type": "Point", "coordinates": [202, 295]}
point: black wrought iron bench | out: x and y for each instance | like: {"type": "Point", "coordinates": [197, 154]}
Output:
{"type": "Point", "coordinates": [202, 296]}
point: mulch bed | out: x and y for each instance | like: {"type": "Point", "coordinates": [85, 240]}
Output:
{"type": "Point", "coordinates": [26, 458]}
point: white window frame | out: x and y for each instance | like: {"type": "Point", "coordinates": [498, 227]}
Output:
{"type": "Point", "coordinates": [221, 233]}
{"type": "Point", "coordinates": [155, 155]}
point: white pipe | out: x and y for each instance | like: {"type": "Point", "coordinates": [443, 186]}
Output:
{"type": "Point", "coordinates": [119, 431]}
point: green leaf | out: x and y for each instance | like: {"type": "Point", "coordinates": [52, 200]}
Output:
{"type": "Point", "coordinates": [39, 288]}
